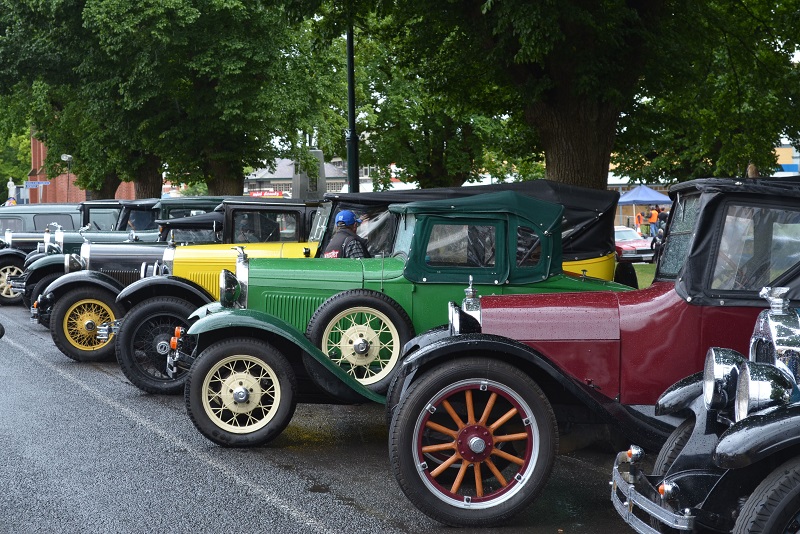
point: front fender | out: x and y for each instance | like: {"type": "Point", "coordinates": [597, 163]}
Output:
{"type": "Point", "coordinates": [48, 261]}
{"type": "Point", "coordinates": [83, 279]}
{"type": "Point", "coordinates": [758, 436]}
{"type": "Point", "coordinates": [215, 318]}
{"type": "Point", "coordinates": [680, 395]}
{"type": "Point", "coordinates": [12, 253]}
{"type": "Point", "coordinates": [167, 285]}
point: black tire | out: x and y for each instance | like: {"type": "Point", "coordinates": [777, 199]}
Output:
{"type": "Point", "coordinates": [259, 372]}
{"type": "Point", "coordinates": [380, 325]}
{"type": "Point", "coordinates": [11, 267]}
{"type": "Point", "coordinates": [423, 458]}
{"type": "Point", "coordinates": [38, 289]}
{"type": "Point", "coordinates": [626, 274]}
{"type": "Point", "coordinates": [774, 506]}
{"type": "Point", "coordinates": [74, 321]}
{"type": "Point", "coordinates": [143, 343]}
{"type": "Point", "coordinates": [666, 457]}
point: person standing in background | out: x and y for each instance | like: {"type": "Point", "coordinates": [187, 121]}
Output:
{"type": "Point", "coordinates": [653, 220]}
{"type": "Point", "coordinates": [345, 243]}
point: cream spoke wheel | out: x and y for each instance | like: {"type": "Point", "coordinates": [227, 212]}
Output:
{"type": "Point", "coordinates": [240, 393]}
{"type": "Point", "coordinates": [5, 287]}
{"type": "Point", "coordinates": [364, 342]}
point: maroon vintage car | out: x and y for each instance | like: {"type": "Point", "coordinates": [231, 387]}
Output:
{"type": "Point", "coordinates": [482, 406]}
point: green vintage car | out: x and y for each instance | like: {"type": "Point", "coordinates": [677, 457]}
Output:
{"type": "Point", "coordinates": [342, 323]}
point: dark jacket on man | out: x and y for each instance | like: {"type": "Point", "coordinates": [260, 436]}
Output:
{"type": "Point", "coordinates": [345, 243]}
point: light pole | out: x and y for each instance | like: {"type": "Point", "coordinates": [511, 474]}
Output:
{"type": "Point", "coordinates": [68, 159]}
{"type": "Point", "coordinates": [351, 136]}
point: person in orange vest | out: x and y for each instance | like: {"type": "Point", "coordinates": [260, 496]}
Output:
{"type": "Point", "coordinates": [653, 220]}
{"type": "Point", "coordinates": [639, 220]}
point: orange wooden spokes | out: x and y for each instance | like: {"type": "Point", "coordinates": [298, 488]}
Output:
{"type": "Point", "coordinates": [460, 477]}
{"type": "Point", "coordinates": [478, 480]}
{"type": "Point", "coordinates": [509, 457]}
{"type": "Point", "coordinates": [488, 409]}
{"type": "Point", "coordinates": [447, 463]}
{"type": "Point", "coordinates": [470, 407]}
{"type": "Point", "coordinates": [443, 429]}
{"type": "Point", "coordinates": [453, 414]}
{"type": "Point", "coordinates": [510, 437]}
{"type": "Point", "coordinates": [429, 449]}
{"type": "Point", "coordinates": [496, 472]}
{"type": "Point", "coordinates": [508, 415]}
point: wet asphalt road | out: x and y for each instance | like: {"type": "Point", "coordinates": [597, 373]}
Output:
{"type": "Point", "coordinates": [83, 450]}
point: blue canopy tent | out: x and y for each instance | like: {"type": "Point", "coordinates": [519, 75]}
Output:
{"type": "Point", "coordinates": [642, 196]}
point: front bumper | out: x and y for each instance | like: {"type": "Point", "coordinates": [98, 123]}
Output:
{"type": "Point", "coordinates": [17, 283]}
{"type": "Point", "coordinates": [636, 499]}
{"type": "Point", "coordinates": [636, 258]}
{"type": "Point", "coordinates": [106, 330]}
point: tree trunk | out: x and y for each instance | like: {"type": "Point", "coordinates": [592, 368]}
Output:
{"type": "Point", "coordinates": [226, 179]}
{"type": "Point", "coordinates": [148, 178]}
{"type": "Point", "coordinates": [577, 138]}
{"type": "Point", "coordinates": [109, 190]}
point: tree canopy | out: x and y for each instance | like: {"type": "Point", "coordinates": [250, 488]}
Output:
{"type": "Point", "coordinates": [447, 91]}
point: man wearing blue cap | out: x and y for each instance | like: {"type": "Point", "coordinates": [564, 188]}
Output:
{"type": "Point", "coordinates": [345, 243]}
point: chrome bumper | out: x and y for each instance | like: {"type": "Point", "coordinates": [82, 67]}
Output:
{"type": "Point", "coordinates": [106, 330]}
{"type": "Point", "coordinates": [17, 283]}
{"type": "Point", "coordinates": [628, 501]}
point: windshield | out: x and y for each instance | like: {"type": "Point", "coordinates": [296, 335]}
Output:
{"type": "Point", "coordinates": [102, 218]}
{"type": "Point", "coordinates": [320, 222]}
{"type": "Point", "coordinates": [405, 233]}
{"type": "Point", "coordinates": [626, 234]}
{"type": "Point", "coordinates": [679, 236]}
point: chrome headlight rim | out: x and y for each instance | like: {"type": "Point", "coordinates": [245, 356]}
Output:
{"type": "Point", "coordinates": [762, 385]}
{"type": "Point", "coordinates": [74, 262]}
{"type": "Point", "coordinates": [229, 289]}
{"type": "Point", "coordinates": [720, 375]}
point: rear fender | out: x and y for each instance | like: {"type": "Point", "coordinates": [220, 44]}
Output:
{"type": "Point", "coordinates": [164, 286]}
{"type": "Point", "coordinates": [264, 326]}
{"type": "Point", "coordinates": [7, 253]}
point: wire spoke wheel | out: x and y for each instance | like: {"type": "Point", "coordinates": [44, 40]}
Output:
{"type": "Point", "coordinates": [81, 322]}
{"type": "Point", "coordinates": [364, 342]}
{"type": "Point", "coordinates": [6, 293]}
{"type": "Point", "coordinates": [151, 346]}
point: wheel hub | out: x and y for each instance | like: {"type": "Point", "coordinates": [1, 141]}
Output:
{"type": "Point", "coordinates": [475, 443]}
{"type": "Point", "coordinates": [357, 345]}
{"type": "Point", "coordinates": [89, 325]}
{"type": "Point", "coordinates": [240, 392]}
{"type": "Point", "coordinates": [162, 348]}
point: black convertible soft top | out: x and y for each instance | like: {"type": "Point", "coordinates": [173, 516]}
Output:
{"type": "Point", "coordinates": [587, 227]}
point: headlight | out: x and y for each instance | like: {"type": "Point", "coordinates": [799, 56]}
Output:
{"type": "Point", "coordinates": [229, 288]}
{"type": "Point", "coordinates": [719, 377]}
{"type": "Point", "coordinates": [73, 262]}
{"type": "Point", "coordinates": [461, 322]}
{"type": "Point", "coordinates": [60, 238]}
{"type": "Point", "coordinates": [760, 386]}
{"type": "Point", "coordinates": [242, 274]}
{"type": "Point", "coordinates": [169, 258]}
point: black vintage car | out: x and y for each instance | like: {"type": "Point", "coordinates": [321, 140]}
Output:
{"type": "Point", "coordinates": [733, 465]}
{"type": "Point", "coordinates": [80, 294]}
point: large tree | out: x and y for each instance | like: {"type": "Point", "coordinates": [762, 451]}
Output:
{"type": "Point", "coordinates": [571, 69]}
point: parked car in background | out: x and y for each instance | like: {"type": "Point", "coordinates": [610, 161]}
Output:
{"type": "Point", "coordinates": [733, 465]}
{"type": "Point", "coordinates": [26, 227]}
{"type": "Point", "coordinates": [479, 410]}
{"type": "Point", "coordinates": [631, 247]}
{"type": "Point", "coordinates": [74, 305]}
{"type": "Point", "coordinates": [342, 322]}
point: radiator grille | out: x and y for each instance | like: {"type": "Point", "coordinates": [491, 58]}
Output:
{"type": "Point", "coordinates": [294, 309]}
{"type": "Point", "coordinates": [123, 276]}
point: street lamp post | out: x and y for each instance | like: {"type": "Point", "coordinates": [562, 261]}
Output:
{"type": "Point", "coordinates": [351, 136]}
{"type": "Point", "coordinates": [68, 159]}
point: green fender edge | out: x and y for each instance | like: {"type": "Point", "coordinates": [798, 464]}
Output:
{"type": "Point", "coordinates": [215, 317]}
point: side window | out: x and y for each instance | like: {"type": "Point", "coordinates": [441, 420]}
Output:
{"type": "Point", "coordinates": [264, 226]}
{"type": "Point", "coordinates": [103, 218]}
{"type": "Point", "coordinates": [529, 247]}
{"type": "Point", "coordinates": [758, 245]}
{"type": "Point", "coordinates": [142, 220]}
{"type": "Point", "coordinates": [461, 245]}
{"type": "Point", "coordinates": [11, 223]}
{"type": "Point", "coordinates": [42, 221]}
